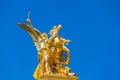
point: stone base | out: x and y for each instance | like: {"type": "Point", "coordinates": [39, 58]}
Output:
{"type": "Point", "coordinates": [57, 77]}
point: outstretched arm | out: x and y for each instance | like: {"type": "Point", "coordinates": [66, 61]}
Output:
{"type": "Point", "coordinates": [54, 32]}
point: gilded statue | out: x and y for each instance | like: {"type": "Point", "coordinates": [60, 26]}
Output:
{"type": "Point", "coordinates": [53, 55]}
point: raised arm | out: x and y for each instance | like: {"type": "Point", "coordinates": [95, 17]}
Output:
{"type": "Point", "coordinates": [54, 32]}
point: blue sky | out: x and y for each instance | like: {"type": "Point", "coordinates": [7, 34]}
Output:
{"type": "Point", "coordinates": [93, 26]}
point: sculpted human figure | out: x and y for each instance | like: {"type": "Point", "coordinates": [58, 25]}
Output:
{"type": "Point", "coordinates": [58, 46]}
{"type": "Point", "coordinates": [40, 40]}
{"type": "Point", "coordinates": [53, 55]}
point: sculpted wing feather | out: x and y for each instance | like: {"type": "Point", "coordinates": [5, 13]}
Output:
{"type": "Point", "coordinates": [34, 33]}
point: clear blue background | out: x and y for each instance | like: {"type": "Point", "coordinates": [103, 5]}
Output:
{"type": "Point", "coordinates": [92, 25]}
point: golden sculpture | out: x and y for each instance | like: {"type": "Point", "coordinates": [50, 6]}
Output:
{"type": "Point", "coordinates": [53, 55]}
